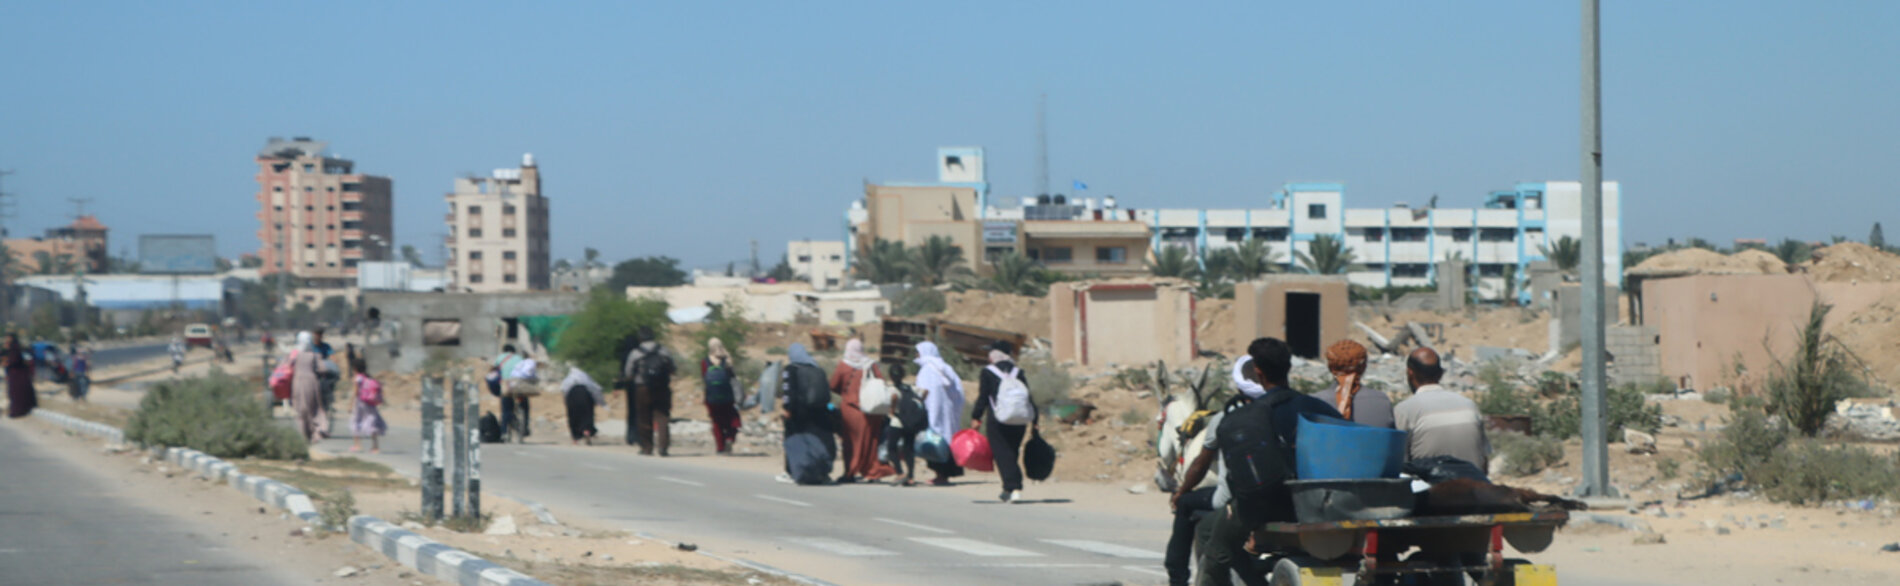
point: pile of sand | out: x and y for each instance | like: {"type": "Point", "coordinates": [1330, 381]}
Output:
{"type": "Point", "coordinates": [1853, 261]}
{"type": "Point", "coordinates": [1002, 311]}
{"type": "Point", "coordinates": [1709, 262]}
{"type": "Point", "coordinates": [1873, 334]}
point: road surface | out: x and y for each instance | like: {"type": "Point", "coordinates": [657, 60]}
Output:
{"type": "Point", "coordinates": [63, 524]}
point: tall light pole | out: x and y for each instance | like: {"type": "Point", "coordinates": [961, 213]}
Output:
{"type": "Point", "coordinates": [1596, 449]}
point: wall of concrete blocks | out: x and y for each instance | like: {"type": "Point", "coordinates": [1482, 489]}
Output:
{"type": "Point", "coordinates": [1638, 356]}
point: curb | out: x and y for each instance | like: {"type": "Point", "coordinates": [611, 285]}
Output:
{"type": "Point", "coordinates": [425, 555]}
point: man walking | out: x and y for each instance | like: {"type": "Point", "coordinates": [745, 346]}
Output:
{"type": "Point", "coordinates": [649, 370]}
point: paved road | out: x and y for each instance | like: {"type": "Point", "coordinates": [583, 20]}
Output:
{"type": "Point", "coordinates": [59, 524]}
{"type": "Point", "coordinates": [127, 354]}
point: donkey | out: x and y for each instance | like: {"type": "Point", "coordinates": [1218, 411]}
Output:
{"type": "Point", "coordinates": [1175, 449]}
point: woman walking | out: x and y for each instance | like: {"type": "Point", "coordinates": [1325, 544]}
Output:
{"type": "Point", "coordinates": [583, 394]}
{"type": "Point", "coordinates": [943, 399]}
{"type": "Point", "coordinates": [21, 399]}
{"type": "Point", "coordinates": [722, 380]}
{"type": "Point", "coordinates": [861, 430]}
{"type": "Point", "coordinates": [366, 419]}
{"type": "Point", "coordinates": [306, 391]}
{"type": "Point", "coordinates": [1006, 440]}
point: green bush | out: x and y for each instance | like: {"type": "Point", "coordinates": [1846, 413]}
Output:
{"type": "Point", "coordinates": [1628, 408]}
{"type": "Point", "coordinates": [920, 301]}
{"type": "Point", "coordinates": [217, 414]}
{"type": "Point", "coordinates": [728, 323]}
{"type": "Point", "coordinates": [1504, 399]}
{"type": "Point", "coordinates": [1668, 468]}
{"type": "Point", "coordinates": [337, 510]}
{"type": "Point", "coordinates": [1749, 439]}
{"type": "Point", "coordinates": [1819, 374]}
{"type": "Point", "coordinates": [1134, 378]}
{"type": "Point", "coordinates": [1717, 395]}
{"type": "Point", "coordinates": [591, 341]}
{"type": "Point", "coordinates": [1049, 383]}
{"type": "Point", "coordinates": [1526, 455]}
{"type": "Point", "coordinates": [1769, 457]}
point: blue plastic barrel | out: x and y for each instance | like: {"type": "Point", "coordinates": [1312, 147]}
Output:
{"type": "Point", "coordinates": [1328, 448]}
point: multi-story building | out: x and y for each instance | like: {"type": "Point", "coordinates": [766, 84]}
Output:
{"type": "Point", "coordinates": [819, 262]}
{"type": "Point", "coordinates": [318, 217]}
{"type": "Point", "coordinates": [1391, 246]}
{"type": "Point", "coordinates": [80, 245]}
{"type": "Point", "coordinates": [498, 232]}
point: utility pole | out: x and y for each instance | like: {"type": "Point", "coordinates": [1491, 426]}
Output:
{"type": "Point", "coordinates": [1596, 449]}
{"type": "Point", "coordinates": [755, 259]}
{"type": "Point", "coordinates": [1042, 144]}
{"type": "Point", "coordinates": [6, 281]}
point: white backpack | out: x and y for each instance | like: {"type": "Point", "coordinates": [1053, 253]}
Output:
{"type": "Point", "coordinates": [1012, 404]}
{"type": "Point", "coordinates": [874, 395]}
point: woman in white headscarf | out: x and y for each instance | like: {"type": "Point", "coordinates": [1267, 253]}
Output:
{"type": "Point", "coordinates": [943, 399]}
{"type": "Point", "coordinates": [861, 430]}
{"type": "Point", "coordinates": [306, 391]}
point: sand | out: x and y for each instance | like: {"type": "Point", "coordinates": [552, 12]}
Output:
{"type": "Point", "coordinates": [1709, 262]}
{"type": "Point", "coordinates": [1853, 261]}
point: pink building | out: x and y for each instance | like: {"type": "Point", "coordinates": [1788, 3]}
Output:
{"type": "Point", "coordinates": [318, 214]}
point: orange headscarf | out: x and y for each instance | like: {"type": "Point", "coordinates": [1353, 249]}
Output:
{"type": "Point", "coordinates": [1346, 358]}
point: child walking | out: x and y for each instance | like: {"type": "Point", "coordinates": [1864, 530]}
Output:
{"type": "Point", "coordinates": [366, 420]}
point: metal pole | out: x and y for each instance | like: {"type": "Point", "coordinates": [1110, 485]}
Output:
{"type": "Point", "coordinates": [459, 439]}
{"type": "Point", "coordinates": [432, 454]}
{"type": "Point", "coordinates": [1596, 449]}
{"type": "Point", "coordinates": [474, 414]}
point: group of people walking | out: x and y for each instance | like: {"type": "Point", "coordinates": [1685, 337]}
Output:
{"type": "Point", "coordinates": [313, 379]}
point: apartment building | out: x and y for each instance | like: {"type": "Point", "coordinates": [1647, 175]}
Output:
{"type": "Point", "coordinates": [498, 228]}
{"type": "Point", "coordinates": [820, 262]}
{"type": "Point", "coordinates": [1397, 245]}
{"type": "Point", "coordinates": [318, 218]}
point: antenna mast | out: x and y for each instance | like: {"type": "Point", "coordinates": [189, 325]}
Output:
{"type": "Point", "coordinates": [1042, 144]}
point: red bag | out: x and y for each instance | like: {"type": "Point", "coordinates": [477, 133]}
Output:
{"type": "Point", "coordinates": [280, 377]}
{"type": "Point", "coordinates": [972, 451]}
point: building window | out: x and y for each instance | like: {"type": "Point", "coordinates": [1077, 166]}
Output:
{"type": "Point", "coordinates": [307, 167]}
{"type": "Point", "coordinates": [310, 265]}
{"type": "Point", "coordinates": [1460, 234]}
{"type": "Point", "coordinates": [1111, 254]}
{"type": "Point", "coordinates": [351, 206]}
{"type": "Point", "coordinates": [331, 245]}
{"type": "Point", "coordinates": [474, 232]}
{"type": "Point", "coordinates": [837, 258]}
{"type": "Point", "coordinates": [350, 225]}
{"type": "Point", "coordinates": [507, 255]}
{"type": "Point", "coordinates": [1409, 234]}
{"type": "Point", "coordinates": [1375, 234]}
{"type": "Point", "coordinates": [1417, 270]}
{"type": "Point", "coordinates": [331, 265]}
{"type": "Point", "coordinates": [474, 210]}
{"type": "Point", "coordinates": [1058, 255]}
{"type": "Point", "coordinates": [441, 332]}
{"type": "Point", "coordinates": [847, 316]}
{"type": "Point", "coordinates": [308, 189]}
{"type": "Point", "coordinates": [352, 244]}
{"type": "Point", "coordinates": [352, 187]}
{"type": "Point", "coordinates": [1497, 235]}
{"type": "Point", "coordinates": [830, 282]}
{"type": "Point", "coordinates": [508, 278]}
{"type": "Point", "coordinates": [310, 208]}
{"type": "Point", "coordinates": [474, 277]}
{"type": "Point", "coordinates": [329, 208]}
{"type": "Point", "coordinates": [507, 232]}
{"type": "Point", "coordinates": [474, 255]}
{"type": "Point", "coordinates": [309, 245]}
{"type": "Point", "coordinates": [804, 258]}
{"type": "Point", "coordinates": [1236, 234]}
{"type": "Point", "coordinates": [507, 209]}
{"type": "Point", "coordinates": [1316, 211]}
{"type": "Point", "coordinates": [277, 188]}
{"type": "Point", "coordinates": [349, 263]}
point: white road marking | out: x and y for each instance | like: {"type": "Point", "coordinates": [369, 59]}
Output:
{"type": "Point", "coordinates": [974, 547]}
{"type": "Point", "coordinates": [681, 481]}
{"type": "Point", "coordinates": [782, 500]}
{"type": "Point", "coordinates": [599, 467]}
{"type": "Point", "coordinates": [839, 547]}
{"type": "Point", "coordinates": [1108, 549]}
{"type": "Point", "coordinates": [535, 455]}
{"type": "Point", "coordinates": [1146, 570]}
{"type": "Point", "coordinates": [915, 526]}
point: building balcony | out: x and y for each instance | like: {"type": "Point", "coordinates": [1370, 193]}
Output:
{"type": "Point", "coordinates": [352, 234]}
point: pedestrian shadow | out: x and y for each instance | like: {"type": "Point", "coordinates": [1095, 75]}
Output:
{"type": "Point", "coordinates": [1025, 502]}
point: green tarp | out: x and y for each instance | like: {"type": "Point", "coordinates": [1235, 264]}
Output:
{"type": "Point", "coordinates": [545, 329]}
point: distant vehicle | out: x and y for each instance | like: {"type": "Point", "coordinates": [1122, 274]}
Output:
{"type": "Point", "coordinates": [198, 335]}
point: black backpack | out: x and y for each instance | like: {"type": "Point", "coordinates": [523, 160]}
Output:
{"type": "Point", "coordinates": [719, 384]}
{"type": "Point", "coordinates": [655, 370]}
{"type": "Point", "coordinates": [490, 429]}
{"type": "Point", "coordinates": [1258, 463]}
{"type": "Point", "coordinates": [808, 388]}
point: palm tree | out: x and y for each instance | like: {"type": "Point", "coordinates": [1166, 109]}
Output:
{"type": "Point", "coordinates": [1221, 265]}
{"type": "Point", "coordinates": [884, 263]}
{"type": "Point", "coordinates": [1793, 251]}
{"type": "Point", "coordinates": [1253, 258]}
{"type": "Point", "coordinates": [563, 265]}
{"type": "Point", "coordinates": [1327, 254]}
{"type": "Point", "coordinates": [938, 260]}
{"type": "Point", "coordinates": [1565, 253]}
{"type": "Point", "coordinates": [1174, 261]}
{"type": "Point", "coordinates": [590, 258]}
{"type": "Point", "coordinates": [1016, 274]}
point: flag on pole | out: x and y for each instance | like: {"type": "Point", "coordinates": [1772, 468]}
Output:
{"type": "Point", "coordinates": [1080, 185]}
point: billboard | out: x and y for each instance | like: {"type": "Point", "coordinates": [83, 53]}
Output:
{"type": "Point", "coordinates": [177, 254]}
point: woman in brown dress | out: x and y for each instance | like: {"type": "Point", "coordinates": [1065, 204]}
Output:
{"type": "Point", "coordinates": [306, 391]}
{"type": "Point", "coordinates": [861, 431]}
{"type": "Point", "coordinates": [20, 397]}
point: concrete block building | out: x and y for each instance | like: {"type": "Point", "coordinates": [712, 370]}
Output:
{"type": "Point", "coordinates": [822, 263]}
{"type": "Point", "coordinates": [498, 232]}
{"type": "Point", "coordinates": [318, 218]}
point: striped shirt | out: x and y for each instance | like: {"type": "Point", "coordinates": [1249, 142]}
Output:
{"type": "Point", "coordinates": [1443, 423]}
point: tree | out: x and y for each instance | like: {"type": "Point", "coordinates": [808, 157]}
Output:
{"type": "Point", "coordinates": [1253, 258]}
{"type": "Point", "coordinates": [1566, 253]}
{"type": "Point", "coordinates": [1876, 239]}
{"type": "Point", "coordinates": [883, 263]}
{"type": "Point", "coordinates": [1819, 374]}
{"type": "Point", "coordinates": [937, 261]}
{"type": "Point", "coordinates": [1174, 261]}
{"type": "Point", "coordinates": [52, 264]}
{"type": "Point", "coordinates": [1327, 254]}
{"type": "Point", "coordinates": [250, 261]}
{"type": "Point", "coordinates": [783, 270]}
{"type": "Point", "coordinates": [563, 265]}
{"type": "Point", "coordinates": [590, 258]}
{"type": "Point", "coordinates": [1793, 251]}
{"type": "Point", "coordinates": [333, 310]}
{"type": "Point", "coordinates": [648, 271]}
{"type": "Point", "coordinates": [592, 342]}
{"type": "Point", "coordinates": [1697, 242]}
{"type": "Point", "coordinates": [1016, 274]}
{"type": "Point", "coordinates": [411, 256]}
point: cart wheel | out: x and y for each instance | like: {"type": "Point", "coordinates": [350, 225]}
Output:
{"type": "Point", "coordinates": [1303, 571]}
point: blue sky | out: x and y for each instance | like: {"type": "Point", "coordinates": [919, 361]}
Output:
{"type": "Point", "coordinates": [690, 129]}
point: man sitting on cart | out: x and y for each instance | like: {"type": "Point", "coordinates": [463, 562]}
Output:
{"type": "Point", "coordinates": [1439, 422]}
{"type": "Point", "coordinates": [1223, 534]}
